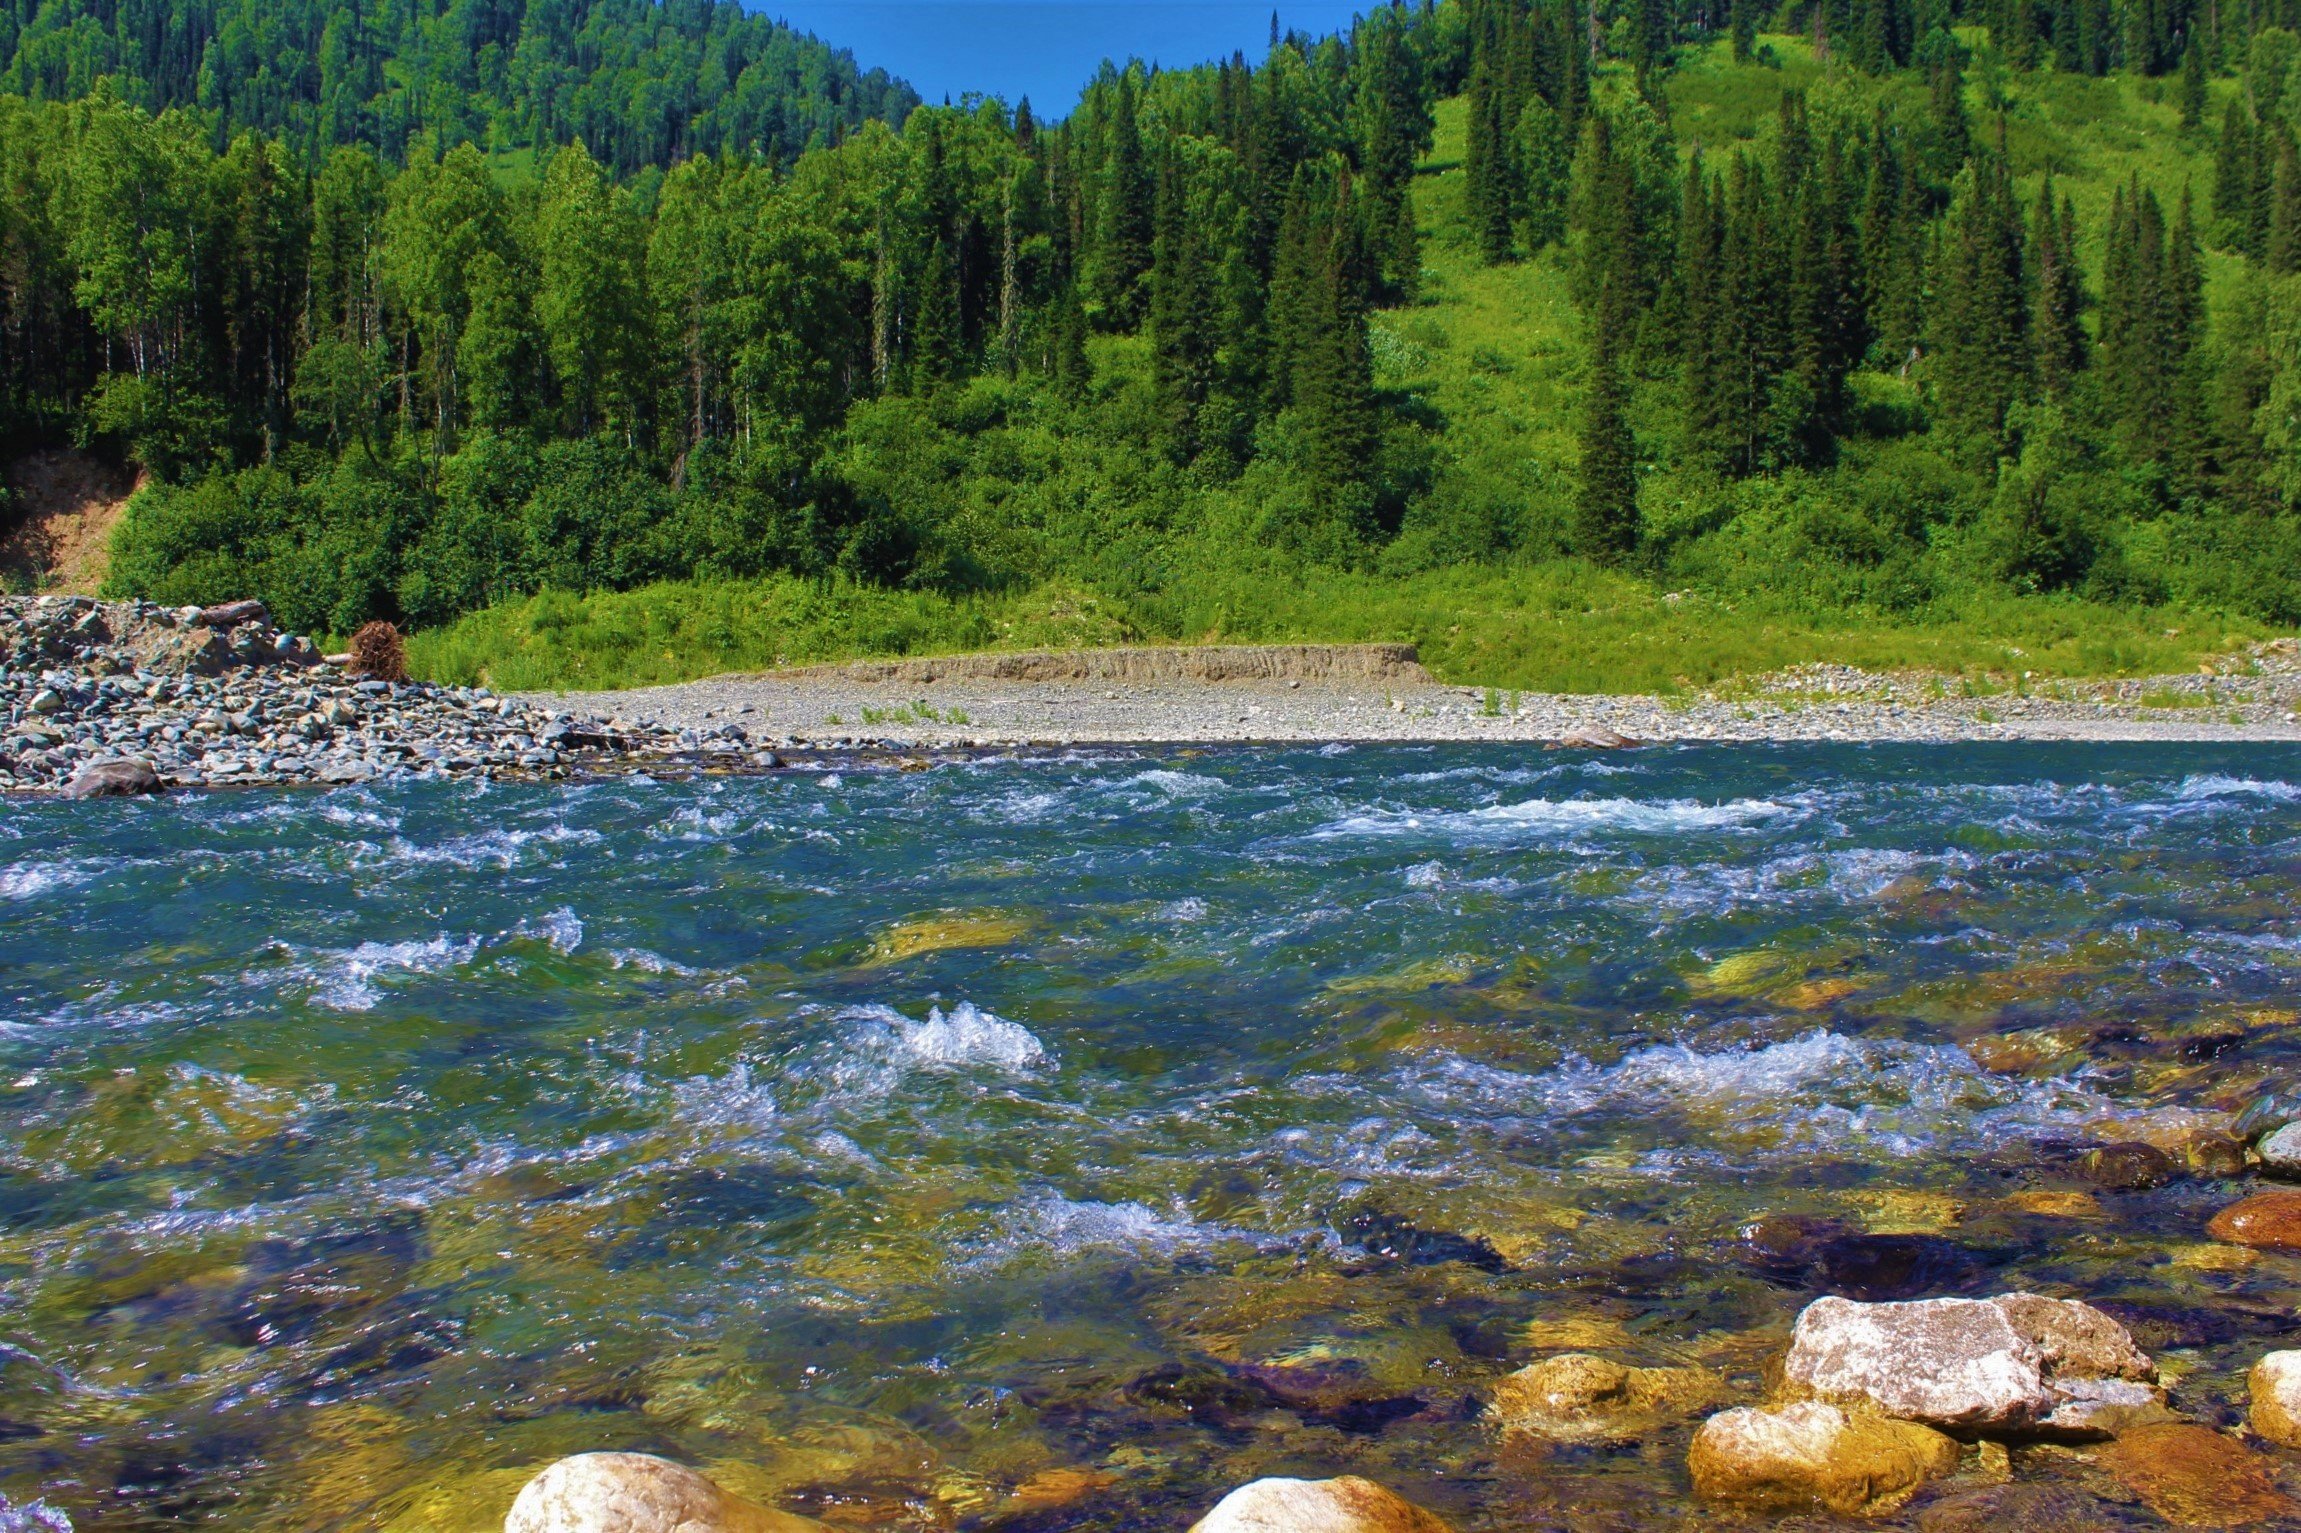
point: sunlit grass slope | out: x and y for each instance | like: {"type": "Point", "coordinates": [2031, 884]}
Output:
{"type": "Point", "coordinates": [1492, 358]}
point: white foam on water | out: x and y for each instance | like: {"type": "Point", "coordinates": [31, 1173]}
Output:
{"type": "Point", "coordinates": [1174, 784]}
{"type": "Point", "coordinates": [347, 979]}
{"type": "Point", "coordinates": [1565, 818]}
{"type": "Point", "coordinates": [1821, 1090]}
{"type": "Point", "coordinates": [1189, 908]}
{"type": "Point", "coordinates": [1426, 875]}
{"type": "Point", "coordinates": [2215, 785]}
{"type": "Point", "coordinates": [1066, 1226]}
{"type": "Point", "coordinates": [649, 963]}
{"type": "Point", "coordinates": [829, 780]}
{"type": "Point", "coordinates": [501, 850]}
{"type": "Point", "coordinates": [30, 880]}
{"type": "Point", "coordinates": [562, 928]}
{"type": "Point", "coordinates": [1854, 875]}
{"type": "Point", "coordinates": [733, 1100]}
{"type": "Point", "coordinates": [967, 1037]}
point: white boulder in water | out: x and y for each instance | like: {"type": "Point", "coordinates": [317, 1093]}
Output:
{"type": "Point", "coordinates": [1344, 1505]}
{"type": "Point", "coordinates": [638, 1493]}
{"type": "Point", "coordinates": [2020, 1362]}
{"type": "Point", "coordinates": [2274, 1388]}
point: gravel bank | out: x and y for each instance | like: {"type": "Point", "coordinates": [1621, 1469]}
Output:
{"type": "Point", "coordinates": [2257, 697]}
{"type": "Point", "coordinates": [119, 697]}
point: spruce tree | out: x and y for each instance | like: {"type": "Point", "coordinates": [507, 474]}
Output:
{"type": "Point", "coordinates": [1606, 495]}
{"type": "Point", "coordinates": [1124, 238]}
{"type": "Point", "coordinates": [2192, 83]}
{"type": "Point", "coordinates": [1981, 357]}
{"type": "Point", "coordinates": [1545, 172]}
{"type": "Point", "coordinates": [2057, 333]}
{"type": "Point", "coordinates": [2281, 251]}
{"type": "Point", "coordinates": [2233, 175]}
{"type": "Point", "coordinates": [1742, 18]}
{"type": "Point", "coordinates": [1486, 168]}
{"type": "Point", "coordinates": [1181, 315]}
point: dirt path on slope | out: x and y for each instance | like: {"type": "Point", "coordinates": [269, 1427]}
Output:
{"type": "Point", "coordinates": [66, 504]}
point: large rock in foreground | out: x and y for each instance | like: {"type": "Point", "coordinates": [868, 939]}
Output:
{"type": "Point", "coordinates": [2275, 1390]}
{"type": "Point", "coordinates": [638, 1493]}
{"type": "Point", "coordinates": [1345, 1505]}
{"type": "Point", "coordinates": [1578, 1398]}
{"type": "Point", "coordinates": [2020, 1362]}
{"type": "Point", "coordinates": [1812, 1456]}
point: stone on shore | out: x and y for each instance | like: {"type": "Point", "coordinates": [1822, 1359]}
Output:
{"type": "Point", "coordinates": [1344, 1505]}
{"type": "Point", "coordinates": [1579, 1398]}
{"type": "Point", "coordinates": [113, 779]}
{"type": "Point", "coordinates": [2275, 1390]}
{"type": "Point", "coordinates": [637, 1493]}
{"type": "Point", "coordinates": [2195, 1477]}
{"type": "Point", "coordinates": [2015, 1363]}
{"type": "Point", "coordinates": [1812, 1456]}
{"type": "Point", "coordinates": [2268, 1221]}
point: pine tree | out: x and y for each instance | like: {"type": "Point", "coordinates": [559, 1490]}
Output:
{"type": "Point", "coordinates": [1702, 383]}
{"type": "Point", "coordinates": [1981, 359]}
{"type": "Point", "coordinates": [2281, 251]}
{"type": "Point", "coordinates": [1181, 315]}
{"type": "Point", "coordinates": [1742, 19]}
{"type": "Point", "coordinates": [1486, 168]}
{"type": "Point", "coordinates": [2233, 159]}
{"type": "Point", "coordinates": [2192, 83]}
{"type": "Point", "coordinates": [2057, 333]}
{"type": "Point", "coordinates": [1545, 172]}
{"type": "Point", "coordinates": [1606, 521]}
{"type": "Point", "coordinates": [1124, 238]}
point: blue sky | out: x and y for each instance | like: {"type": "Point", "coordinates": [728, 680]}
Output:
{"type": "Point", "coordinates": [1044, 49]}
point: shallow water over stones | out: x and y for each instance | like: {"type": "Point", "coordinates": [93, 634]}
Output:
{"type": "Point", "coordinates": [1061, 1144]}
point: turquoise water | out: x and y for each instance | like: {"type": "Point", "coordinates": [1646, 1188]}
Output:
{"type": "Point", "coordinates": [1057, 1143]}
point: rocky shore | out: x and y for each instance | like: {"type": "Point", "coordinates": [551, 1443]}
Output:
{"type": "Point", "coordinates": [101, 698]}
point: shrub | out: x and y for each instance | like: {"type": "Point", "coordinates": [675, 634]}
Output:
{"type": "Point", "coordinates": [377, 652]}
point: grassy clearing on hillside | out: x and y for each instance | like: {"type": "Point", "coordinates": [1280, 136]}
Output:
{"type": "Point", "coordinates": [1555, 628]}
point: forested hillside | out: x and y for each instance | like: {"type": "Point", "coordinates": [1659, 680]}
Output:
{"type": "Point", "coordinates": [641, 82]}
{"type": "Point", "coordinates": [1491, 325]}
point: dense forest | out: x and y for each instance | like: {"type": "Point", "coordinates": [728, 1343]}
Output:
{"type": "Point", "coordinates": [641, 82]}
{"type": "Point", "coordinates": [1859, 303]}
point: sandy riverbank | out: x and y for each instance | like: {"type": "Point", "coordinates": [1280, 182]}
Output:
{"type": "Point", "coordinates": [1375, 693]}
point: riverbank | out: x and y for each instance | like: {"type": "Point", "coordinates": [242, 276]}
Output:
{"type": "Point", "coordinates": [218, 697]}
{"type": "Point", "coordinates": [1310, 694]}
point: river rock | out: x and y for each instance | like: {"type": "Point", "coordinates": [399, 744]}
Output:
{"type": "Point", "coordinates": [1347, 1504]}
{"type": "Point", "coordinates": [2197, 1477]}
{"type": "Point", "coordinates": [638, 1493]}
{"type": "Point", "coordinates": [1812, 1456]}
{"type": "Point", "coordinates": [232, 614]}
{"type": "Point", "coordinates": [1576, 1398]}
{"type": "Point", "coordinates": [2281, 1151]}
{"type": "Point", "coordinates": [2268, 1220]}
{"type": "Point", "coordinates": [114, 779]}
{"type": "Point", "coordinates": [2017, 1363]}
{"type": "Point", "coordinates": [2275, 1389]}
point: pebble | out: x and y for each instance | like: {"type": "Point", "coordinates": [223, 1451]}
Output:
{"type": "Point", "coordinates": [2281, 1152]}
{"type": "Point", "coordinates": [106, 698]}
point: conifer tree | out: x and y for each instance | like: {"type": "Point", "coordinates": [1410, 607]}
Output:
{"type": "Point", "coordinates": [1742, 20]}
{"type": "Point", "coordinates": [2233, 191]}
{"type": "Point", "coordinates": [2281, 251]}
{"type": "Point", "coordinates": [1606, 496]}
{"type": "Point", "coordinates": [1124, 239]}
{"type": "Point", "coordinates": [2057, 332]}
{"type": "Point", "coordinates": [1981, 358]}
{"type": "Point", "coordinates": [2192, 83]}
{"type": "Point", "coordinates": [1545, 172]}
{"type": "Point", "coordinates": [1181, 315]}
{"type": "Point", "coordinates": [1486, 167]}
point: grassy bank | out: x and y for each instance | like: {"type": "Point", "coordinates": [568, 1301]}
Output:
{"type": "Point", "coordinates": [1559, 627]}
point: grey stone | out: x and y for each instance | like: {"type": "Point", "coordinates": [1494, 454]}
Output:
{"type": "Point", "coordinates": [114, 779]}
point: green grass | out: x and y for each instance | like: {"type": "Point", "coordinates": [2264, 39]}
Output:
{"type": "Point", "coordinates": [1494, 358]}
{"type": "Point", "coordinates": [1548, 628]}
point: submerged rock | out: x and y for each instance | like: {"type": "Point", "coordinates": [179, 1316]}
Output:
{"type": "Point", "coordinates": [2275, 1390]}
{"type": "Point", "coordinates": [1811, 1456]}
{"type": "Point", "coordinates": [2268, 1220]}
{"type": "Point", "coordinates": [637, 1493]}
{"type": "Point", "coordinates": [2197, 1477]}
{"type": "Point", "coordinates": [2281, 1151]}
{"type": "Point", "coordinates": [1344, 1505]}
{"type": "Point", "coordinates": [2016, 1363]}
{"type": "Point", "coordinates": [2032, 1508]}
{"type": "Point", "coordinates": [2131, 1167]}
{"type": "Point", "coordinates": [1577, 1398]}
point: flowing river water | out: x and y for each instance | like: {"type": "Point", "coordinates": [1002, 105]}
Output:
{"type": "Point", "coordinates": [1058, 1143]}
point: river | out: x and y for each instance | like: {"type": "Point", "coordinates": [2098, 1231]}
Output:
{"type": "Point", "coordinates": [1058, 1143]}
